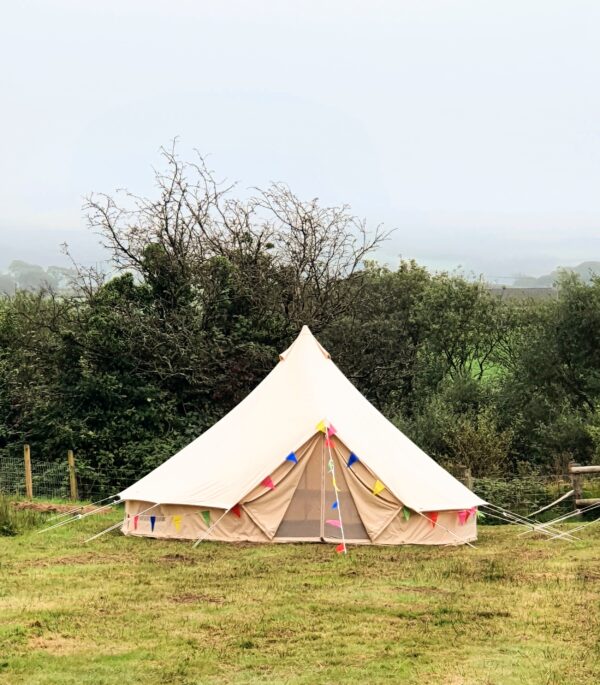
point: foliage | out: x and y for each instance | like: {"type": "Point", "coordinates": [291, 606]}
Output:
{"type": "Point", "coordinates": [15, 521]}
{"type": "Point", "coordinates": [207, 289]}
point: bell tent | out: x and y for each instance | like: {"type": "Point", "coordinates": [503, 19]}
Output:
{"type": "Point", "coordinates": [303, 458]}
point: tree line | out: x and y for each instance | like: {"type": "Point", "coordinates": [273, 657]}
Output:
{"type": "Point", "coordinates": [207, 288]}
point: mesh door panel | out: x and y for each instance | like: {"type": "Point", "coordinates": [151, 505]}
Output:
{"type": "Point", "coordinates": [302, 519]}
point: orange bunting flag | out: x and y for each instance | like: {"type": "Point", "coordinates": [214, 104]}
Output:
{"type": "Point", "coordinates": [378, 487]}
{"type": "Point", "coordinates": [328, 442]}
{"type": "Point", "coordinates": [135, 522]}
{"type": "Point", "coordinates": [268, 483]}
{"type": "Point", "coordinates": [433, 517]}
{"type": "Point", "coordinates": [340, 548]}
{"type": "Point", "coordinates": [237, 510]}
{"type": "Point", "coordinates": [322, 427]}
{"type": "Point", "coordinates": [331, 431]}
{"type": "Point", "coordinates": [177, 522]}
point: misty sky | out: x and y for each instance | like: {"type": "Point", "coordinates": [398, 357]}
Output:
{"type": "Point", "coordinates": [471, 126]}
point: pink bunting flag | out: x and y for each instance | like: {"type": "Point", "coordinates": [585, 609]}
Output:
{"type": "Point", "coordinates": [268, 483]}
{"type": "Point", "coordinates": [471, 512]}
{"type": "Point", "coordinates": [340, 548]}
{"type": "Point", "coordinates": [334, 522]}
{"type": "Point", "coordinates": [462, 517]}
{"type": "Point", "coordinates": [432, 516]}
{"type": "Point", "coordinates": [135, 522]}
{"type": "Point", "coordinates": [331, 430]}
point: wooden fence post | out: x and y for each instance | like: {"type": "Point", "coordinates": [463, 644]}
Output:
{"type": "Point", "coordinates": [72, 476]}
{"type": "Point", "coordinates": [575, 481]}
{"type": "Point", "coordinates": [28, 478]}
{"type": "Point", "coordinates": [467, 477]}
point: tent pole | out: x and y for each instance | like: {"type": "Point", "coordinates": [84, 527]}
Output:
{"type": "Point", "coordinates": [334, 482]}
{"type": "Point", "coordinates": [523, 521]}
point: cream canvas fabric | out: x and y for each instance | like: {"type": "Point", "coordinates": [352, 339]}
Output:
{"type": "Point", "coordinates": [227, 465]}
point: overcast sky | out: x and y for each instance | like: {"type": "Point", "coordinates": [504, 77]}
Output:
{"type": "Point", "coordinates": [471, 126]}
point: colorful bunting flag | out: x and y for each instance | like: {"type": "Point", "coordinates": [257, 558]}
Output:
{"type": "Point", "coordinates": [330, 466]}
{"type": "Point", "coordinates": [334, 522]}
{"type": "Point", "coordinates": [432, 516]}
{"type": "Point", "coordinates": [177, 522]}
{"type": "Point", "coordinates": [292, 457]}
{"type": "Point", "coordinates": [331, 431]}
{"type": "Point", "coordinates": [268, 483]}
{"type": "Point", "coordinates": [352, 459]}
{"type": "Point", "coordinates": [152, 522]}
{"type": "Point", "coordinates": [135, 522]}
{"type": "Point", "coordinates": [340, 548]}
{"type": "Point", "coordinates": [471, 512]}
{"type": "Point", "coordinates": [322, 427]}
{"type": "Point", "coordinates": [462, 517]}
{"type": "Point", "coordinates": [378, 487]}
{"type": "Point", "coordinates": [328, 442]}
{"type": "Point", "coordinates": [335, 487]}
{"type": "Point", "coordinates": [334, 505]}
{"type": "Point", "coordinates": [237, 510]}
{"type": "Point", "coordinates": [406, 513]}
{"type": "Point", "coordinates": [206, 516]}
{"type": "Point", "coordinates": [480, 516]}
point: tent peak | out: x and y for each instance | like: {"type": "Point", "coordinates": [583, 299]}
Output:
{"type": "Point", "coordinates": [304, 339]}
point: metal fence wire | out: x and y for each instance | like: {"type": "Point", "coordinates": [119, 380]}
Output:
{"type": "Point", "coordinates": [50, 480]}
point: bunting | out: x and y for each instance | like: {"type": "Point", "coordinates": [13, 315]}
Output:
{"type": "Point", "coordinates": [237, 510]}
{"type": "Point", "coordinates": [321, 427]}
{"type": "Point", "coordinates": [335, 487]}
{"type": "Point", "coordinates": [471, 512]}
{"type": "Point", "coordinates": [352, 459]}
{"type": "Point", "coordinates": [152, 523]}
{"type": "Point", "coordinates": [268, 483]}
{"type": "Point", "coordinates": [330, 466]}
{"type": "Point", "coordinates": [135, 522]}
{"type": "Point", "coordinates": [340, 548]}
{"type": "Point", "coordinates": [462, 517]}
{"type": "Point", "coordinates": [292, 457]}
{"type": "Point", "coordinates": [206, 516]}
{"type": "Point", "coordinates": [177, 522]}
{"type": "Point", "coordinates": [406, 513]}
{"type": "Point", "coordinates": [378, 487]}
{"type": "Point", "coordinates": [328, 442]}
{"type": "Point", "coordinates": [334, 505]}
{"type": "Point", "coordinates": [331, 431]}
{"type": "Point", "coordinates": [432, 516]}
{"type": "Point", "coordinates": [334, 522]}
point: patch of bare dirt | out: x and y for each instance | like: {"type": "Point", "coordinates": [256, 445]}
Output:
{"type": "Point", "coordinates": [51, 508]}
{"type": "Point", "coordinates": [196, 599]}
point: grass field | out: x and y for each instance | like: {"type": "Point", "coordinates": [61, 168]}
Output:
{"type": "Point", "coordinates": [123, 610]}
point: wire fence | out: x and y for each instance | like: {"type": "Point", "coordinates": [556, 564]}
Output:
{"type": "Point", "coordinates": [50, 480]}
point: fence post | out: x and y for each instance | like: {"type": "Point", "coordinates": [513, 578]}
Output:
{"type": "Point", "coordinates": [467, 477]}
{"type": "Point", "coordinates": [28, 478]}
{"type": "Point", "coordinates": [72, 476]}
{"type": "Point", "coordinates": [576, 482]}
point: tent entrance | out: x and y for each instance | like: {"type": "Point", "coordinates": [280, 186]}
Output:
{"type": "Point", "coordinates": [311, 504]}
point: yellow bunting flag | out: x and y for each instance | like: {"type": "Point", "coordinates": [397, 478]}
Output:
{"type": "Point", "coordinates": [177, 522]}
{"type": "Point", "coordinates": [378, 487]}
{"type": "Point", "coordinates": [322, 427]}
{"type": "Point", "coordinates": [335, 487]}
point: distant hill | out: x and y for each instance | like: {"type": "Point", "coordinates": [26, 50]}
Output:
{"type": "Point", "coordinates": [24, 276]}
{"type": "Point", "coordinates": [585, 270]}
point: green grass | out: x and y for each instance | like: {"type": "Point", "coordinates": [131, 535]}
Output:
{"type": "Point", "coordinates": [14, 521]}
{"type": "Point", "coordinates": [124, 610]}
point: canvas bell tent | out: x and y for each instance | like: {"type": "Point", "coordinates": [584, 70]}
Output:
{"type": "Point", "coordinates": [304, 457]}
